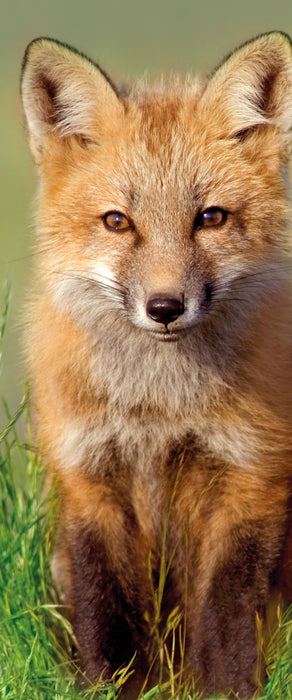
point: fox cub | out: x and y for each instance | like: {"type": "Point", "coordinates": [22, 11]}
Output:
{"type": "Point", "coordinates": [159, 353]}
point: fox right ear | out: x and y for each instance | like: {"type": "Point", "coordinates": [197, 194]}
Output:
{"type": "Point", "coordinates": [253, 87]}
{"type": "Point", "coordinates": [64, 94]}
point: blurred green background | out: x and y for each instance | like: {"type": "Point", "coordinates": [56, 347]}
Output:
{"type": "Point", "coordinates": [127, 37]}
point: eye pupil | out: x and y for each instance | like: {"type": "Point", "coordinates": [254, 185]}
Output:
{"type": "Point", "coordinates": [214, 216]}
{"type": "Point", "coordinates": [116, 221]}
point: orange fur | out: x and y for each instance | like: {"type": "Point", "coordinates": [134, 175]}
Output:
{"type": "Point", "coordinates": [159, 349]}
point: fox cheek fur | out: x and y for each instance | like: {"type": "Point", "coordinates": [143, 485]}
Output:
{"type": "Point", "coordinates": [159, 351]}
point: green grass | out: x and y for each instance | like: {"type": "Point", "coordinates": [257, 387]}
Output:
{"type": "Point", "coordinates": [35, 638]}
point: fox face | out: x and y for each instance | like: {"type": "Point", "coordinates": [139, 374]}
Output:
{"type": "Point", "coordinates": [157, 217]}
{"type": "Point", "coordinates": [159, 349]}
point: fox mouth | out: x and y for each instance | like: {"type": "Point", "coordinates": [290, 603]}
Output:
{"type": "Point", "coordinates": [168, 336]}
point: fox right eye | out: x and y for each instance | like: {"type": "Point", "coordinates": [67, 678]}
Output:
{"type": "Point", "coordinates": [211, 218]}
{"type": "Point", "coordinates": [116, 221]}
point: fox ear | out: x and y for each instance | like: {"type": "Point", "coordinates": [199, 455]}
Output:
{"type": "Point", "coordinates": [64, 93]}
{"type": "Point", "coordinates": [254, 86]}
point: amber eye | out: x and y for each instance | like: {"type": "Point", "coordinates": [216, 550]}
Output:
{"type": "Point", "coordinates": [116, 221]}
{"type": "Point", "coordinates": [214, 216]}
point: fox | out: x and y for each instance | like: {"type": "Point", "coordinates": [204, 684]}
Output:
{"type": "Point", "coordinates": [158, 347]}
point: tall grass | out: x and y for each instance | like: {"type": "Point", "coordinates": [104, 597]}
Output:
{"type": "Point", "coordinates": [36, 639]}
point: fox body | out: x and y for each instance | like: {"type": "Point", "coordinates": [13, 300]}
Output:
{"type": "Point", "coordinates": [159, 350]}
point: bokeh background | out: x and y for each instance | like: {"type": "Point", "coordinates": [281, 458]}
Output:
{"type": "Point", "coordinates": [128, 38]}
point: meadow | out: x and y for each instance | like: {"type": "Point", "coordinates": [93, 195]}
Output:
{"type": "Point", "coordinates": [127, 38]}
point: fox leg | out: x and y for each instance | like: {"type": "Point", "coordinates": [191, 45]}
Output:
{"type": "Point", "coordinates": [224, 645]}
{"type": "Point", "coordinates": [108, 580]}
{"type": "Point", "coordinates": [108, 615]}
{"type": "Point", "coordinates": [234, 538]}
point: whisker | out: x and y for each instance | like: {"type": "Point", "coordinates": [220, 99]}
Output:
{"type": "Point", "coordinates": [33, 252]}
{"type": "Point", "coordinates": [229, 299]}
{"type": "Point", "coordinates": [22, 258]}
{"type": "Point", "coordinates": [282, 267]}
{"type": "Point", "coordinates": [112, 288]}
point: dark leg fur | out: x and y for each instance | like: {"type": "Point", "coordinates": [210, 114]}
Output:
{"type": "Point", "coordinates": [224, 646]}
{"type": "Point", "coordinates": [108, 617]}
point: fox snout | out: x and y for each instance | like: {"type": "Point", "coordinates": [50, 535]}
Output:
{"type": "Point", "coordinates": [164, 308]}
{"type": "Point", "coordinates": [170, 312]}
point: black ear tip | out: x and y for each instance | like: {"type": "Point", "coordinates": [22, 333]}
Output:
{"type": "Point", "coordinates": [46, 44]}
{"type": "Point", "coordinates": [63, 48]}
{"type": "Point", "coordinates": [47, 41]}
{"type": "Point", "coordinates": [29, 48]}
{"type": "Point", "coordinates": [283, 35]}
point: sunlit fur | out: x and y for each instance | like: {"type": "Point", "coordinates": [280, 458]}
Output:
{"type": "Point", "coordinates": [119, 399]}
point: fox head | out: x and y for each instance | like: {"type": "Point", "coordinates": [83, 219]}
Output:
{"type": "Point", "coordinates": [162, 208]}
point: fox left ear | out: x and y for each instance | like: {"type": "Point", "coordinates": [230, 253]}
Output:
{"type": "Point", "coordinates": [254, 86]}
{"type": "Point", "coordinates": [64, 94]}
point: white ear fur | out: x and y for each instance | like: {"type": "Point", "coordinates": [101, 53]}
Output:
{"type": "Point", "coordinates": [63, 93]}
{"type": "Point", "coordinates": [254, 86]}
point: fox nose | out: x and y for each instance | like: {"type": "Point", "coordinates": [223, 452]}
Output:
{"type": "Point", "coordinates": [165, 309]}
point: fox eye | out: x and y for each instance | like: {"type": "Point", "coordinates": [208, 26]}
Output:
{"type": "Point", "coordinates": [212, 217]}
{"type": "Point", "coordinates": [116, 221]}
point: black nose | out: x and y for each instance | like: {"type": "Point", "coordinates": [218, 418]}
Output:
{"type": "Point", "coordinates": [164, 309]}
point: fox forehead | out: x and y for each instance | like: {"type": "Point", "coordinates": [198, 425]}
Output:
{"type": "Point", "coordinates": [155, 131]}
{"type": "Point", "coordinates": [165, 147]}
{"type": "Point", "coordinates": [160, 148]}
{"type": "Point", "coordinates": [164, 111]}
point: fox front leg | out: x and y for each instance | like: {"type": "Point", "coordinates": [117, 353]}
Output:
{"type": "Point", "coordinates": [108, 615]}
{"type": "Point", "coordinates": [108, 586]}
{"type": "Point", "coordinates": [234, 540]}
{"type": "Point", "coordinates": [225, 649]}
